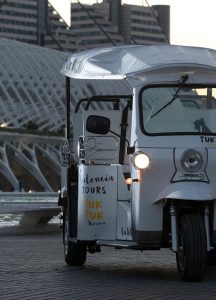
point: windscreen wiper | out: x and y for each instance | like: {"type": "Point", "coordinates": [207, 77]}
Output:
{"type": "Point", "coordinates": [181, 83]}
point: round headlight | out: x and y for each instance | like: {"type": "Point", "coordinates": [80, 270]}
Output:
{"type": "Point", "coordinates": [140, 160]}
{"type": "Point", "coordinates": [191, 161]}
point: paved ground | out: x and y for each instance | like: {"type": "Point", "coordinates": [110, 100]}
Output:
{"type": "Point", "coordinates": [32, 267]}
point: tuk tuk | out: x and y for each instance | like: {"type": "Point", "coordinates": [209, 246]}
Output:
{"type": "Point", "coordinates": [139, 158]}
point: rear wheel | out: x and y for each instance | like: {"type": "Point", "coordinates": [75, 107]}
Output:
{"type": "Point", "coordinates": [74, 252]}
{"type": "Point", "coordinates": [192, 253]}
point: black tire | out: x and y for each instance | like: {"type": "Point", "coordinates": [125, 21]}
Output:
{"type": "Point", "coordinates": [192, 253]}
{"type": "Point", "coordinates": [211, 258]}
{"type": "Point", "coordinates": [74, 252]}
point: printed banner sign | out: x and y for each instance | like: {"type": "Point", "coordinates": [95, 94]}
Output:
{"type": "Point", "coordinates": [97, 202]}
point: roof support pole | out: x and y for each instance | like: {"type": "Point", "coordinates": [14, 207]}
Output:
{"type": "Point", "coordinates": [72, 183]}
{"type": "Point", "coordinates": [68, 107]}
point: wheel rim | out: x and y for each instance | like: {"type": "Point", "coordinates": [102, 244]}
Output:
{"type": "Point", "coordinates": [181, 253]}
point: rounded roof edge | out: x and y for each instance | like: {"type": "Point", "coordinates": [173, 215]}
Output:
{"type": "Point", "coordinates": [120, 62]}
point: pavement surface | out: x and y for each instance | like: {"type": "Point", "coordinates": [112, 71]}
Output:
{"type": "Point", "coordinates": [32, 267]}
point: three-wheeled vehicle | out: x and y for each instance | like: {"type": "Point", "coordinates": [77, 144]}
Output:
{"type": "Point", "coordinates": [139, 159]}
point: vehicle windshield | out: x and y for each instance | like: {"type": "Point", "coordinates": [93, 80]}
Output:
{"type": "Point", "coordinates": [170, 110]}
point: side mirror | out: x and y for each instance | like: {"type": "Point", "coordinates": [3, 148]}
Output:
{"type": "Point", "coordinates": [98, 124]}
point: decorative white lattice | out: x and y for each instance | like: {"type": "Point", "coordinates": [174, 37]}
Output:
{"type": "Point", "coordinates": [32, 95]}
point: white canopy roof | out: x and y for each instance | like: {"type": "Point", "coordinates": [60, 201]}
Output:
{"type": "Point", "coordinates": [126, 61]}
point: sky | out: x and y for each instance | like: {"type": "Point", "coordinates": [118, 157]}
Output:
{"type": "Point", "coordinates": [193, 22]}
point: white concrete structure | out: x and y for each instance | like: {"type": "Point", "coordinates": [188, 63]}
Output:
{"type": "Point", "coordinates": [31, 88]}
{"type": "Point", "coordinates": [32, 97]}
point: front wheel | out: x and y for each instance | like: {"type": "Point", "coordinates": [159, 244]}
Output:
{"type": "Point", "coordinates": [192, 253]}
{"type": "Point", "coordinates": [74, 252]}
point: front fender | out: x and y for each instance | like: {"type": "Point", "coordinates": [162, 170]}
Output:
{"type": "Point", "coordinates": [188, 191]}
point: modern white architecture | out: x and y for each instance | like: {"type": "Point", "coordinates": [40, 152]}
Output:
{"type": "Point", "coordinates": [32, 114]}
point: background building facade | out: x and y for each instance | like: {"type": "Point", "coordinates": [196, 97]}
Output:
{"type": "Point", "coordinates": [138, 24]}
{"type": "Point", "coordinates": [103, 24]}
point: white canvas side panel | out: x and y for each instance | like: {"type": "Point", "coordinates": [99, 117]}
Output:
{"type": "Point", "coordinates": [123, 191]}
{"type": "Point", "coordinates": [124, 208]}
{"type": "Point", "coordinates": [124, 221]}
